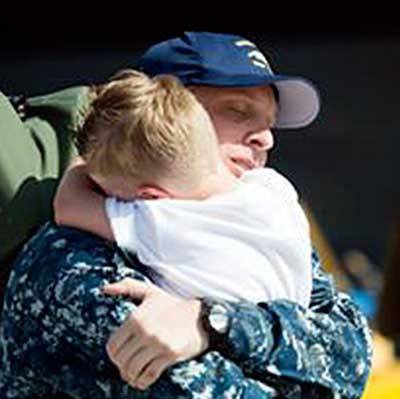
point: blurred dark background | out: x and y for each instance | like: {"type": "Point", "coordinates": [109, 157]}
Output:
{"type": "Point", "coordinates": [344, 165]}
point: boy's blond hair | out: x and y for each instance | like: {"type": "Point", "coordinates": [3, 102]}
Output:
{"type": "Point", "coordinates": [151, 130]}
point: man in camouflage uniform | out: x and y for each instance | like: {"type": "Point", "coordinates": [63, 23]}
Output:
{"type": "Point", "coordinates": [56, 320]}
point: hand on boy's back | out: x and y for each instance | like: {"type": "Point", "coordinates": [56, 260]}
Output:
{"type": "Point", "coordinates": [142, 348]}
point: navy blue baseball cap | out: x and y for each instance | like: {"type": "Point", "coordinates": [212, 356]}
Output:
{"type": "Point", "coordinates": [215, 59]}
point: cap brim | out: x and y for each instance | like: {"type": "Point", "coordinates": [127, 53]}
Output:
{"type": "Point", "coordinates": [299, 102]}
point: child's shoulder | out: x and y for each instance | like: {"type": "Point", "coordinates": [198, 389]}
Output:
{"type": "Point", "coordinates": [272, 180]}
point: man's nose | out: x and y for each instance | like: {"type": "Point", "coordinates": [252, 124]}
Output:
{"type": "Point", "coordinates": [261, 140]}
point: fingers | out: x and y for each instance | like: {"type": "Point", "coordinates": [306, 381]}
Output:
{"type": "Point", "coordinates": [137, 363]}
{"type": "Point", "coordinates": [130, 287]}
{"type": "Point", "coordinates": [152, 372]}
{"type": "Point", "coordinates": [121, 336]}
{"type": "Point", "coordinates": [125, 352]}
{"type": "Point", "coordinates": [138, 358]}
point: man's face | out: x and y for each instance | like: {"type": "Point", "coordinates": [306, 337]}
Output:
{"type": "Point", "coordinates": [243, 118]}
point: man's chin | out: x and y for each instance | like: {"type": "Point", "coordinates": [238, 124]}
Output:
{"type": "Point", "coordinates": [262, 162]}
{"type": "Point", "coordinates": [238, 172]}
{"type": "Point", "coordinates": [238, 169]}
{"type": "Point", "coordinates": [234, 168]}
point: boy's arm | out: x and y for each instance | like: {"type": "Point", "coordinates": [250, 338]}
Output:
{"type": "Point", "coordinates": [77, 204]}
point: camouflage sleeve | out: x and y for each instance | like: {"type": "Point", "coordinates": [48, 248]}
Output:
{"type": "Point", "coordinates": [56, 322]}
{"type": "Point", "coordinates": [326, 345]}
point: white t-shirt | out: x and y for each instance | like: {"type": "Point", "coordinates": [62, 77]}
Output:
{"type": "Point", "coordinates": [250, 243]}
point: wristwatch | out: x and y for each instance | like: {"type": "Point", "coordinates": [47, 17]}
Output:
{"type": "Point", "coordinates": [215, 321]}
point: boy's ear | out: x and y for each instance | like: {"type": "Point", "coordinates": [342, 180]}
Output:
{"type": "Point", "coordinates": [151, 192]}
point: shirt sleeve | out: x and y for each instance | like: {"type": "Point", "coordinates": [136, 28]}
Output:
{"type": "Point", "coordinates": [273, 181]}
{"type": "Point", "coordinates": [121, 215]}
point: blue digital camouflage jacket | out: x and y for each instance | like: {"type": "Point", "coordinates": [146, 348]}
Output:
{"type": "Point", "coordinates": [56, 322]}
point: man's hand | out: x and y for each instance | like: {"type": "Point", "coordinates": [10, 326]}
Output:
{"type": "Point", "coordinates": [162, 331]}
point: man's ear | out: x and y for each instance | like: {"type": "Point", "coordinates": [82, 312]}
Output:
{"type": "Point", "coordinates": [151, 192]}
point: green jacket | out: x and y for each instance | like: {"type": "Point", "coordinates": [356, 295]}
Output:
{"type": "Point", "coordinates": [35, 149]}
